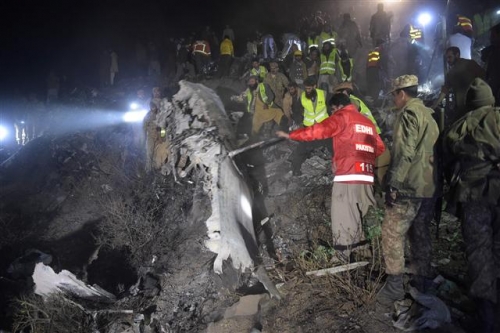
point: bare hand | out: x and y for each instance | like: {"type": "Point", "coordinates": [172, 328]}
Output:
{"type": "Point", "coordinates": [282, 134]}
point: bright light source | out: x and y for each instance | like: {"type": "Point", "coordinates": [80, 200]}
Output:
{"type": "Point", "coordinates": [3, 133]}
{"type": "Point", "coordinates": [498, 12]}
{"type": "Point", "coordinates": [134, 116]}
{"type": "Point", "coordinates": [424, 19]}
{"type": "Point", "coordinates": [134, 106]}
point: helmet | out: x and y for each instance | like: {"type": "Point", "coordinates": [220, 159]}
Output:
{"type": "Point", "coordinates": [297, 53]}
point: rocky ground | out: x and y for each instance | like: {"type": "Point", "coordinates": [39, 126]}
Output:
{"type": "Point", "coordinates": [84, 199]}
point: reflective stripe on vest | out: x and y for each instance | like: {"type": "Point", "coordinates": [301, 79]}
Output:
{"type": "Point", "coordinates": [415, 33]}
{"type": "Point", "coordinates": [312, 42]}
{"type": "Point", "coordinates": [328, 65]}
{"type": "Point", "coordinates": [200, 48]}
{"type": "Point", "coordinates": [365, 111]}
{"type": "Point", "coordinates": [350, 178]}
{"type": "Point", "coordinates": [346, 77]}
{"type": "Point", "coordinates": [314, 115]}
{"type": "Point", "coordinates": [262, 93]}
{"type": "Point", "coordinates": [465, 23]}
{"type": "Point", "coordinates": [373, 58]}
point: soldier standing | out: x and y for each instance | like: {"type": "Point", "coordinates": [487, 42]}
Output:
{"type": "Point", "coordinates": [473, 153]}
{"type": "Point", "coordinates": [410, 187]}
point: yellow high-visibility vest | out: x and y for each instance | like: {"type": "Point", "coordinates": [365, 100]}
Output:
{"type": "Point", "coordinates": [313, 115]}
{"type": "Point", "coordinates": [328, 65]}
{"type": "Point", "coordinates": [261, 92]}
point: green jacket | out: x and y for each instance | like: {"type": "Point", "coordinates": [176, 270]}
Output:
{"type": "Point", "coordinates": [472, 147]}
{"type": "Point", "coordinates": [412, 171]}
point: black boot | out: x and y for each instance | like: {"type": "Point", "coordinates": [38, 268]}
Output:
{"type": "Point", "coordinates": [392, 291]}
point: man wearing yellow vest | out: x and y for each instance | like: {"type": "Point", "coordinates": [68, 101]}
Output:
{"type": "Point", "coordinates": [258, 70]}
{"type": "Point", "coordinates": [314, 102]}
{"type": "Point", "coordinates": [260, 106]}
{"type": "Point", "coordinates": [329, 59]}
{"type": "Point", "coordinates": [226, 56]}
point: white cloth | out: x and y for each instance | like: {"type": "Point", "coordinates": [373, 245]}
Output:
{"type": "Point", "coordinates": [463, 42]}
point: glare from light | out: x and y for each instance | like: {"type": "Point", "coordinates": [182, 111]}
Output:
{"type": "Point", "coordinates": [3, 133]}
{"type": "Point", "coordinates": [424, 19]}
{"type": "Point", "coordinates": [134, 116]}
{"type": "Point", "coordinates": [498, 12]}
{"type": "Point", "coordinates": [245, 206]}
{"type": "Point", "coordinates": [134, 106]}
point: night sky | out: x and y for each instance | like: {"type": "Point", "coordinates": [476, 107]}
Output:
{"type": "Point", "coordinates": [68, 35]}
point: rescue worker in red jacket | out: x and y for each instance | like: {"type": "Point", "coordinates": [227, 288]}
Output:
{"type": "Point", "coordinates": [356, 145]}
{"type": "Point", "coordinates": [201, 52]}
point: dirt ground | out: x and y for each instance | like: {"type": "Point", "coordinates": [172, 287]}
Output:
{"type": "Point", "coordinates": [61, 196]}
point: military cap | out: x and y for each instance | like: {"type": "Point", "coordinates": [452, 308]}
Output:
{"type": "Point", "coordinates": [404, 81]}
{"type": "Point", "coordinates": [343, 86]}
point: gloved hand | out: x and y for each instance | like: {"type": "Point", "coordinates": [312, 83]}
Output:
{"type": "Point", "coordinates": [390, 196]}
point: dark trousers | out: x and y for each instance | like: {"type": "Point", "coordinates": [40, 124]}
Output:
{"type": "Point", "coordinates": [373, 82]}
{"type": "Point", "coordinates": [481, 232]}
{"type": "Point", "coordinates": [224, 65]}
{"type": "Point", "coordinates": [304, 150]}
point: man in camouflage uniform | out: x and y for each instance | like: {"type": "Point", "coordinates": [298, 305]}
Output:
{"type": "Point", "coordinates": [473, 156]}
{"type": "Point", "coordinates": [278, 83]}
{"type": "Point", "coordinates": [411, 183]}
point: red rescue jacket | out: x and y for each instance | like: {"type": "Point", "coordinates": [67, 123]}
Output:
{"type": "Point", "coordinates": [356, 144]}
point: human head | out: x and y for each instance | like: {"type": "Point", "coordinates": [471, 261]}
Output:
{"type": "Point", "coordinates": [255, 63]}
{"type": "Point", "coordinates": [310, 87]}
{"type": "Point", "coordinates": [479, 95]}
{"type": "Point", "coordinates": [274, 67]}
{"type": "Point", "coordinates": [338, 101]}
{"type": "Point", "coordinates": [253, 82]}
{"type": "Point", "coordinates": [226, 37]}
{"type": "Point", "coordinates": [347, 17]}
{"type": "Point", "coordinates": [452, 55]}
{"type": "Point", "coordinates": [292, 88]}
{"type": "Point", "coordinates": [156, 92]}
{"type": "Point", "coordinates": [343, 88]}
{"type": "Point", "coordinates": [404, 88]}
{"type": "Point", "coordinates": [495, 35]}
{"type": "Point", "coordinates": [314, 53]}
{"type": "Point", "coordinates": [327, 47]}
{"type": "Point", "coordinates": [297, 55]}
{"type": "Point", "coordinates": [295, 47]}
{"type": "Point", "coordinates": [380, 7]}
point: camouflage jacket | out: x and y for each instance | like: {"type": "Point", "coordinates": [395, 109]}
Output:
{"type": "Point", "coordinates": [472, 147]}
{"type": "Point", "coordinates": [412, 171]}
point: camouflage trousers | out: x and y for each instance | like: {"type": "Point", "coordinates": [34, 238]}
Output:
{"type": "Point", "coordinates": [408, 218]}
{"type": "Point", "coordinates": [481, 232]}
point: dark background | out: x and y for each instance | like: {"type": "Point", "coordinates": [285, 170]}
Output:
{"type": "Point", "coordinates": [69, 35]}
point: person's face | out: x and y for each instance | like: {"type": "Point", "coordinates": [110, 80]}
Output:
{"type": "Point", "coordinates": [451, 58]}
{"type": "Point", "coordinates": [310, 91]}
{"type": "Point", "coordinates": [399, 98]}
{"type": "Point", "coordinates": [314, 55]}
{"type": "Point", "coordinates": [327, 47]}
{"type": "Point", "coordinates": [298, 58]}
{"type": "Point", "coordinates": [274, 67]}
{"type": "Point", "coordinates": [255, 65]}
{"type": "Point", "coordinates": [252, 84]}
{"type": "Point", "coordinates": [292, 90]}
{"type": "Point", "coordinates": [335, 108]}
{"type": "Point", "coordinates": [156, 93]}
